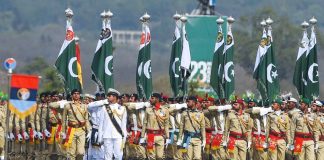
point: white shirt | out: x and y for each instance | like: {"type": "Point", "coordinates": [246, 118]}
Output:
{"type": "Point", "coordinates": [120, 115]}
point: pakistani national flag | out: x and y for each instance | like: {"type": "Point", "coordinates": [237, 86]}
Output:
{"type": "Point", "coordinates": [144, 75]}
{"type": "Point", "coordinates": [312, 89]}
{"type": "Point", "coordinates": [174, 67]}
{"type": "Point", "coordinates": [265, 69]}
{"type": "Point", "coordinates": [185, 58]}
{"type": "Point", "coordinates": [228, 69]}
{"type": "Point", "coordinates": [67, 64]}
{"type": "Point", "coordinates": [102, 63]}
{"type": "Point", "coordinates": [300, 74]}
{"type": "Point", "coordinates": [216, 77]}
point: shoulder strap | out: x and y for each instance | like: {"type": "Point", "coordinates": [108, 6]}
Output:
{"type": "Point", "coordinates": [157, 119]}
{"type": "Point", "coordinates": [113, 120]}
{"type": "Point", "coordinates": [74, 114]}
{"type": "Point", "coordinates": [191, 121]}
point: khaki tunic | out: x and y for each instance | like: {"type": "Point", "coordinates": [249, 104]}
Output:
{"type": "Point", "coordinates": [320, 123]}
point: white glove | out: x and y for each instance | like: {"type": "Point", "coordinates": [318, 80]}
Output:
{"type": "Point", "coordinates": [290, 147]}
{"type": "Point", "coordinates": [26, 136]}
{"type": "Point", "coordinates": [179, 142]}
{"type": "Point", "coordinates": [88, 137]}
{"type": "Point", "coordinates": [167, 142]}
{"type": "Point", "coordinates": [11, 136]}
{"type": "Point", "coordinates": [47, 133]}
{"type": "Point", "coordinates": [40, 135]}
{"type": "Point", "coordinates": [264, 111]}
{"type": "Point", "coordinates": [140, 105]}
{"type": "Point", "coordinates": [249, 145]}
{"type": "Point", "coordinates": [224, 108]}
{"type": "Point", "coordinates": [63, 135]}
{"type": "Point", "coordinates": [105, 101]}
{"type": "Point", "coordinates": [203, 145]}
{"type": "Point", "coordinates": [142, 141]}
{"type": "Point", "coordinates": [316, 147]}
{"type": "Point", "coordinates": [224, 144]}
{"type": "Point", "coordinates": [62, 103]}
{"type": "Point", "coordinates": [147, 104]}
{"type": "Point", "coordinates": [19, 137]}
{"type": "Point", "coordinates": [265, 145]}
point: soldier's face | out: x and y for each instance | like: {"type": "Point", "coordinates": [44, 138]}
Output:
{"type": "Point", "coordinates": [251, 104]}
{"type": "Point", "coordinates": [76, 96]}
{"type": "Point", "coordinates": [236, 106]}
{"type": "Point", "coordinates": [275, 106]}
{"type": "Point", "coordinates": [191, 104]}
{"type": "Point", "coordinates": [314, 108]}
{"type": "Point", "coordinates": [112, 98]}
{"type": "Point", "coordinates": [125, 99]}
{"type": "Point", "coordinates": [291, 105]}
{"type": "Point", "coordinates": [132, 99]}
{"type": "Point", "coordinates": [303, 106]}
{"type": "Point", "coordinates": [153, 100]}
{"type": "Point", "coordinates": [55, 98]}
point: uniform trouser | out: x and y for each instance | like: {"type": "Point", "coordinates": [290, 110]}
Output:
{"type": "Point", "coordinates": [55, 149]}
{"type": "Point", "coordinates": [194, 149]}
{"type": "Point", "coordinates": [40, 150]}
{"type": "Point", "coordinates": [320, 151]}
{"type": "Point", "coordinates": [30, 149]}
{"type": "Point", "coordinates": [20, 150]}
{"type": "Point", "coordinates": [158, 148]}
{"type": "Point", "coordinates": [279, 152]}
{"type": "Point", "coordinates": [140, 152]}
{"type": "Point", "coordinates": [113, 147]}
{"type": "Point", "coordinates": [95, 153]}
{"type": "Point", "coordinates": [77, 145]}
{"type": "Point", "coordinates": [219, 154]}
{"type": "Point", "coordinates": [307, 152]}
{"type": "Point", "coordinates": [240, 150]}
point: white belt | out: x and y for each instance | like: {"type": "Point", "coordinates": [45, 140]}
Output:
{"type": "Point", "coordinates": [134, 129]}
{"type": "Point", "coordinates": [174, 130]}
{"type": "Point", "coordinates": [262, 133]}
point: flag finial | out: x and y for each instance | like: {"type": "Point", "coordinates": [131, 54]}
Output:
{"type": "Point", "coordinates": [305, 25]}
{"type": "Point", "coordinates": [103, 14]}
{"type": "Point", "coordinates": [263, 23]}
{"type": "Point", "coordinates": [109, 14]}
{"type": "Point", "coordinates": [220, 20]}
{"type": "Point", "coordinates": [230, 20]}
{"type": "Point", "coordinates": [69, 13]}
{"type": "Point", "coordinates": [269, 21]}
{"type": "Point", "coordinates": [176, 16]}
{"type": "Point", "coordinates": [76, 38]}
{"type": "Point", "coordinates": [313, 21]}
{"type": "Point", "coordinates": [184, 19]}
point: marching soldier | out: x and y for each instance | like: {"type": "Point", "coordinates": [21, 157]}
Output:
{"type": "Point", "coordinates": [319, 149]}
{"type": "Point", "coordinates": [75, 126]}
{"type": "Point", "coordinates": [304, 132]}
{"type": "Point", "coordinates": [238, 126]}
{"type": "Point", "coordinates": [277, 132]}
{"type": "Point", "coordinates": [192, 135]}
{"type": "Point", "coordinates": [155, 128]}
{"type": "Point", "coordinates": [220, 111]}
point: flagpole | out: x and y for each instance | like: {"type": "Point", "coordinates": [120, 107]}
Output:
{"type": "Point", "coordinates": [185, 79]}
{"type": "Point", "coordinates": [7, 116]}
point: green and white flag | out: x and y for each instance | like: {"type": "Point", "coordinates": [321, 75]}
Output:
{"type": "Point", "coordinates": [185, 64]}
{"type": "Point", "coordinates": [228, 69]}
{"type": "Point", "coordinates": [102, 63]}
{"type": "Point", "coordinates": [312, 89]}
{"type": "Point", "coordinates": [67, 63]}
{"type": "Point", "coordinates": [144, 75]}
{"type": "Point", "coordinates": [300, 74]}
{"type": "Point", "coordinates": [216, 77]}
{"type": "Point", "coordinates": [265, 69]}
{"type": "Point", "coordinates": [174, 67]}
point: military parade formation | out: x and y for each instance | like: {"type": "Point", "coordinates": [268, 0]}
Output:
{"type": "Point", "coordinates": [119, 126]}
{"type": "Point", "coordinates": [221, 125]}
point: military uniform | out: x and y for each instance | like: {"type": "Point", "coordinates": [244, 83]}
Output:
{"type": "Point", "coordinates": [136, 112]}
{"type": "Point", "coordinates": [192, 133]}
{"type": "Point", "coordinates": [41, 117]}
{"type": "Point", "coordinates": [30, 130]}
{"type": "Point", "coordinates": [218, 151]}
{"type": "Point", "coordinates": [320, 123]}
{"type": "Point", "coordinates": [75, 125]}
{"type": "Point", "coordinates": [175, 119]}
{"type": "Point", "coordinates": [55, 128]}
{"type": "Point", "coordinates": [155, 129]}
{"type": "Point", "coordinates": [238, 126]}
{"type": "Point", "coordinates": [278, 134]}
{"type": "Point", "coordinates": [304, 133]}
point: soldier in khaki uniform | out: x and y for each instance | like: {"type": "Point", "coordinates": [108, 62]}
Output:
{"type": "Point", "coordinates": [277, 132]}
{"type": "Point", "coordinates": [238, 126]}
{"type": "Point", "coordinates": [55, 127]}
{"type": "Point", "coordinates": [29, 136]}
{"type": "Point", "coordinates": [3, 111]}
{"type": "Point", "coordinates": [220, 112]}
{"type": "Point", "coordinates": [319, 149]}
{"type": "Point", "coordinates": [192, 134]}
{"type": "Point", "coordinates": [155, 128]}
{"type": "Point", "coordinates": [304, 132]}
{"type": "Point", "coordinates": [75, 127]}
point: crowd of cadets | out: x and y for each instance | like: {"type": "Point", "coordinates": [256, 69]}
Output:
{"type": "Point", "coordinates": [115, 126]}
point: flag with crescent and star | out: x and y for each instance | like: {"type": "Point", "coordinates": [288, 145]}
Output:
{"type": "Point", "coordinates": [228, 65]}
{"type": "Point", "coordinates": [312, 89]}
{"type": "Point", "coordinates": [216, 77]}
{"type": "Point", "coordinates": [143, 73]}
{"type": "Point", "coordinates": [23, 94]}
{"type": "Point", "coordinates": [300, 73]}
{"type": "Point", "coordinates": [174, 67]}
{"type": "Point", "coordinates": [102, 63]}
{"type": "Point", "coordinates": [67, 61]}
{"type": "Point", "coordinates": [265, 69]}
